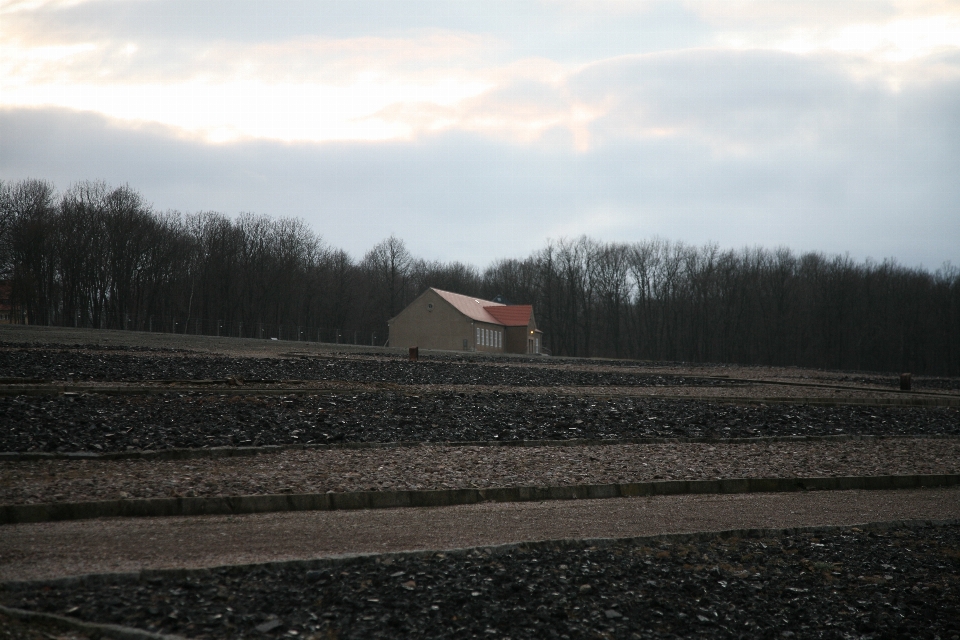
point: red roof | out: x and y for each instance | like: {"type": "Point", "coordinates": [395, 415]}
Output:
{"type": "Point", "coordinates": [514, 315]}
{"type": "Point", "coordinates": [473, 308]}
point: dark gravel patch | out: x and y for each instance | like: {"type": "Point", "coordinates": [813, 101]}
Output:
{"type": "Point", "coordinates": [101, 423]}
{"type": "Point", "coordinates": [921, 383]}
{"type": "Point", "coordinates": [15, 629]}
{"type": "Point", "coordinates": [848, 583]}
{"type": "Point", "coordinates": [43, 364]}
{"type": "Point", "coordinates": [77, 365]}
{"type": "Point", "coordinates": [295, 349]}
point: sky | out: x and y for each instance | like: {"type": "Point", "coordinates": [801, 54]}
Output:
{"type": "Point", "coordinates": [479, 130]}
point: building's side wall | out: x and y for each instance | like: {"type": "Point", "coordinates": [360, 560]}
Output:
{"type": "Point", "coordinates": [489, 342]}
{"type": "Point", "coordinates": [534, 337]}
{"type": "Point", "coordinates": [524, 339]}
{"type": "Point", "coordinates": [442, 327]}
{"type": "Point", "coordinates": [515, 340]}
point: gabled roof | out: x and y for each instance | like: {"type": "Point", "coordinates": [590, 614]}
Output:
{"type": "Point", "coordinates": [508, 315]}
{"type": "Point", "coordinates": [515, 315]}
{"type": "Point", "coordinates": [473, 308]}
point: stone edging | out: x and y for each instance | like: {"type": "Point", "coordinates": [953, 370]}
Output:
{"type": "Point", "coordinates": [97, 630]}
{"type": "Point", "coordinates": [145, 575]}
{"type": "Point", "coordinates": [271, 503]}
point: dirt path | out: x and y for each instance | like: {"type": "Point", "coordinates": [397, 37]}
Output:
{"type": "Point", "coordinates": [51, 550]}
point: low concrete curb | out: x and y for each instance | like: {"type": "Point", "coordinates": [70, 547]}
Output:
{"type": "Point", "coordinates": [94, 629]}
{"type": "Point", "coordinates": [148, 575]}
{"type": "Point", "coordinates": [231, 452]}
{"type": "Point", "coordinates": [232, 505]}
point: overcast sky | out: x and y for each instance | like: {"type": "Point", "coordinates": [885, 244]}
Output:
{"type": "Point", "coordinates": [477, 130]}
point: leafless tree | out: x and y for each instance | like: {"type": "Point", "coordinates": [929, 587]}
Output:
{"type": "Point", "coordinates": [100, 256]}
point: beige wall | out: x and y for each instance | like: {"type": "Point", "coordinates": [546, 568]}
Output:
{"type": "Point", "coordinates": [441, 327]}
{"type": "Point", "coordinates": [516, 340]}
{"type": "Point", "coordinates": [490, 327]}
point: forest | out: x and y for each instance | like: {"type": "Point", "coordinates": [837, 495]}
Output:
{"type": "Point", "coordinates": [100, 256]}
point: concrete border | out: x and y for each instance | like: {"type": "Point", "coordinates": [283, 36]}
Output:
{"type": "Point", "coordinates": [271, 503]}
{"type": "Point", "coordinates": [232, 452]}
{"type": "Point", "coordinates": [146, 575]}
{"type": "Point", "coordinates": [95, 629]}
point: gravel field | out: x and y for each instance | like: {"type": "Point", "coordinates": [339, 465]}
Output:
{"type": "Point", "coordinates": [84, 364]}
{"type": "Point", "coordinates": [14, 629]}
{"type": "Point", "coordinates": [846, 583]}
{"type": "Point", "coordinates": [101, 423]}
{"type": "Point", "coordinates": [92, 340]}
{"type": "Point", "coordinates": [443, 467]}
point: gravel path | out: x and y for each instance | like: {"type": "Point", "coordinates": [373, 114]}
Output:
{"type": "Point", "coordinates": [445, 467]}
{"type": "Point", "coordinates": [54, 549]}
{"type": "Point", "coordinates": [99, 423]}
{"type": "Point", "coordinates": [849, 583]}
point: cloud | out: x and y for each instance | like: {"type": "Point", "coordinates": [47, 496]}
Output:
{"type": "Point", "coordinates": [881, 191]}
{"type": "Point", "coordinates": [734, 103]}
{"type": "Point", "coordinates": [476, 132]}
{"type": "Point", "coordinates": [897, 30]}
{"type": "Point", "coordinates": [426, 77]}
{"type": "Point", "coordinates": [311, 89]}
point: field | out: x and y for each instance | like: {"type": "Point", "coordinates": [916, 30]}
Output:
{"type": "Point", "coordinates": [216, 487]}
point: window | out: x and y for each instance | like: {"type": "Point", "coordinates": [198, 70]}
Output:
{"type": "Point", "coordinates": [479, 341]}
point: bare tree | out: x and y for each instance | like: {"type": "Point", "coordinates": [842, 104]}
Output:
{"type": "Point", "coordinates": [387, 267]}
{"type": "Point", "coordinates": [99, 256]}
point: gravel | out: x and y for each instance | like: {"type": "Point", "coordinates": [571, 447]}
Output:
{"type": "Point", "coordinates": [14, 629]}
{"type": "Point", "coordinates": [444, 467]}
{"type": "Point", "coordinates": [901, 582]}
{"type": "Point", "coordinates": [84, 364]}
{"type": "Point", "coordinates": [101, 423]}
{"type": "Point", "coordinates": [844, 584]}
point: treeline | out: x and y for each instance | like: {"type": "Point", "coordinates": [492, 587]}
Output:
{"type": "Point", "coordinates": [96, 256]}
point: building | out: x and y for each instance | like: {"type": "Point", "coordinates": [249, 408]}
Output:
{"type": "Point", "coordinates": [453, 322]}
